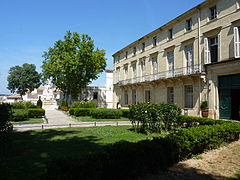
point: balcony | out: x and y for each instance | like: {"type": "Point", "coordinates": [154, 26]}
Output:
{"type": "Point", "coordinates": [179, 72]}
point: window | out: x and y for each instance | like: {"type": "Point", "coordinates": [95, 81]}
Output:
{"type": "Point", "coordinates": [118, 60]}
{"type": "Point", "coordinates": [170, 95]}
{"type": "Point", "coordinates": [170, 58]}
{"type": "Point", "coordinates": [134, 70]}
{"type": "Point", "coordinates": [126, 72]}
{"type": "Point", "coordinates": [95, 95]}
{"type": "Point", "coordinates": [154, 41]}
{"type": "Point", "coordinates": [134, 51]}
{"type": "Point", "coordinates": [126, 97]}
{"type": "Point", "coordinates": [189, 58]}
{"type": "Point", "coordinates": [213, 13]}
{"type": "Point", "coordinates": [236, 42]}
{"type": "Point", "coordinates": [134, 96]}
{"type": "Point", "coordinates": [188, 97]}
{"type": "Point", "coordinates": [189, 25]}
{"type": "Point", "coordinates": [143, 46]}
{"type": "Point", "coordinates": [154, 65]}
{"type": "Point", "coordinates": [143, 67]}
{"type": "Point", "coordinates": [147, 96]}
{"type": "Point", "coordinates": [117, 74]}
{"type": "Point", "coordinates": [126, 54]}
{"type": "Point", "coordinates": [170, 33]}
{"type": "Point", "coordinates": [212, 49]}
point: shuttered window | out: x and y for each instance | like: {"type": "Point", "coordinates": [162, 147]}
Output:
{"type": "Point", "coordinates": [236, 42]}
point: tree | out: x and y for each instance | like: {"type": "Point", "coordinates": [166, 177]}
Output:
{"type": "Point", "coordinates": [73, 63]}
{"type": "Point", "coordinates": [22, 79]}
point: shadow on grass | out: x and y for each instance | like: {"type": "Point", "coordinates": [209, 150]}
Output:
{"type": "Point", "coordinates": [30, 151]}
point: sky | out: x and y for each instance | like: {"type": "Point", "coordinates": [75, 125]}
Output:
{"type": "Point", "coordinates": [30, 27]}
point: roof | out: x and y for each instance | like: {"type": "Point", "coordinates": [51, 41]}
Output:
{"type": "Point", "coordinates": [109, 70]}
{"type": "Point", "coordinates": [14, 96]}
{"type": "Point", "coordinates": [170, 23]}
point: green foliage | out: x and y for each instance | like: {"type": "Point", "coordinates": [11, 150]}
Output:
{"type": "Point", "coordinates": [153, 117]}
{"type": "Point", "coordinates": [22, 79]}
{"type": "Point", "coordinates": [85, 104]}
{"type": "Point", "coordinates": [23, 105]}
{"type": "Point", "coordinates": [36, 113]}
{"type": "Point", "coordinates": [20, 115]}
{"type": "Point", "coordinates": [64, 103]}
{"type": "Point", "coordinates": [125, 113]}
{"type": "Point", "coordinates": [204, 105]}
{"type": "Point", "coordinates": [106, 113]}
{"type": "Point", "coordinates": [80, 111]}
{"type": "Point", "coordinates": [73, 63]}
{"type": "Point", "coordinates": [5, 125]}
{"type": "Point", "coordinates": [190, 121]}
{"type": "Point", "coordinates": [143, 157]}
{"type": "Point", "coordinates": [39, 103]}
{"type": "Point", "coordinates": [24, 114]}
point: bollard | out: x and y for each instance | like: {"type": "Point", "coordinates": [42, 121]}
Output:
{"type": "Point", "coordinates": [69, 124]}
{"type": "Point", "coordinates": [117, 123]}
{"type": "Point", "coordinates": [95, 123]}
{"type": "Point", "coordinates": [42, 126]}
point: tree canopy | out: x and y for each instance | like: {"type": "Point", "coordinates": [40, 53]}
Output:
{"type": "Point", "coordinates": [23, 78]}
{"type": "Point", "coordinates": [73, 63]}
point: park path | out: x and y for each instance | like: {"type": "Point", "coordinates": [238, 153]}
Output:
{"type": "Point", "coordinates": [58, 119]}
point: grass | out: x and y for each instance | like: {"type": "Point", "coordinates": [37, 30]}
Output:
{"type": "Point", "coordinates": [29, 121]}
{"type": "Point", "coordinates": [90, 119]}
{"type": "Point", "coordinates": [30, 150]}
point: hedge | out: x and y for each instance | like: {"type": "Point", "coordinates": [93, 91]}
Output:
{"type": "Point", "coordinates": [106, 113]}
{"type": "Point", "coordinates": [5, 125]}
{"type": "Point", "coordinates": [24, 114]}
{"type": "Point", "coordinates": [36, 113]}
{"type": "Point", "coordinates": [148, 156]}
{"type": "Point", "coordinates": [125, 113]}
{"type": "Point", "coordinates": [80, 111]}
{"type": "Point", "coordinates": [190, 121]}
{"type": "Point", "coordinates": [23, 105]}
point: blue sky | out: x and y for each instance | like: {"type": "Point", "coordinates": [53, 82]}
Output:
{"type": "Point", "coordinates": [30, 27]}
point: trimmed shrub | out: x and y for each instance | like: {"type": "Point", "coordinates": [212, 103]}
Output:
{"type": "Point", "coordinates": [153, 117]}
{"type": "Point", "coordinates": [190, 121]}
{"type": "Point", "coordinates": [36, 113]}
{"type": "Point", "coordinates": [20, 114]}
{"type": "Point", "coordinates": [5, 125]}
{"type": "Point", "coordinates": [85, 104]}
{"type": "Point", "coordinates": [23, 105]}
{"type": "Point", "coordinates": [80, 111]}
{"type": "Point", "coordinates": [106, 113]}
{"type": "Point", "coordinates": [125, 113]}
{"type": "Point", "coordinates": [147, 156]}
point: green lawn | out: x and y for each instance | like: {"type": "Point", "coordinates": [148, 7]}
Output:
{"type": "Point", "coordinates": [29, 121]}
{"type": "Point", "coordinates": [90, 119]}
{"type": "Point", "coordinates": [30, 150]}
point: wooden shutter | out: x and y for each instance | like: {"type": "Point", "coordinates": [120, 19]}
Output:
{"type": "Point", "coordinates": [206, 51]}
{"type": "Point", "coordinates": [219, 47]}
{"type": "Point", "coordinates": [236, 42]}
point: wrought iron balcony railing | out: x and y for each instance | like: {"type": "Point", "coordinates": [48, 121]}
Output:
{"type": "Point", "coordinates": [185, 71]}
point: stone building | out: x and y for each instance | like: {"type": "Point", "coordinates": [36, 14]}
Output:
{"type": "Point", "coordinates": [191, 59]}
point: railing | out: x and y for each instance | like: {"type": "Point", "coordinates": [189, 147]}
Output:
{"type": "Point", "coordinates": [197, 69]}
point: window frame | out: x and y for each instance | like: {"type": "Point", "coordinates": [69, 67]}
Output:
{"type": "Point", "coordinates": [170, 95]}
{"type": "Point", "coordinates": [189, 24]}
{"type": "Point", "coordinates": [188, 96]}
{"type": "Point", "coordinates": [126, 100]}
{"type": "Point", "coordinates": [147, 96]}
{"type": "Point", "coordinates": [170, 33]}
{"type": "Point", "coordinates": [215, 15]}
{"type": "Point", "coordinates": [154, 41]}
{"type": "Point", "coordinates": [134, 51]}
{"type": "Point", "coordinates": [143, 46]}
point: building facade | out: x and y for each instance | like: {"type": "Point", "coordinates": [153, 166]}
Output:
{"type": "Point", "coordinates": [191, 59]}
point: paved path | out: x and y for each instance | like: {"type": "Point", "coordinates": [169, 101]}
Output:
{"type": "Point", "coordinates": [58, 119]}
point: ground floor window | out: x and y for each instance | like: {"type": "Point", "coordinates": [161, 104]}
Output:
{"type": "Point", "coordinates": [95, 95]}
{"type": "Point", "coordinates": [126, 97]}
{"type": "Point", "coordinates": [188, 97]}
{"type": "Point", "coordinates": [147, 96]}
{"type": "Point", "coordinates": [170, 95]}
{"type": "Point", "coordinates": [134, 96]}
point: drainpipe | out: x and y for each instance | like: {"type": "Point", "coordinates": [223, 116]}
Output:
{"type": "Point", "coordinates": [199, 58]}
